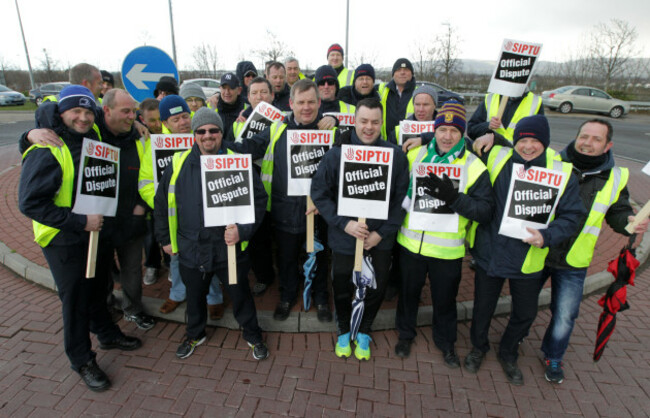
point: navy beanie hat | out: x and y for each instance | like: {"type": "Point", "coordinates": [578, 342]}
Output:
{"type": "Point", "coordinates": [335, 47]}
{"type": "Point", "coordinates": [76, 96]}
{"type": "Point", "coordinates": [326, 72]}
{"type": "Point", "coordinates": [364, 69]}
{"type": "Point", "coordinates": [172, 105]}
{"type": "Point", "coordinates": [535, 126]}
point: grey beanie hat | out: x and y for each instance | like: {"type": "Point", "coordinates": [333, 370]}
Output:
{"type": "Point", "coordinates": [426, 89]}
{"type": "Point", "coordinates": [192, 90]}
{"type": "Point", "coordinates": [206, 116]}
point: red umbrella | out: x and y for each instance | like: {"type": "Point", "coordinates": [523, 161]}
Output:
{"type": "Point", "coordinates": [615, 300]}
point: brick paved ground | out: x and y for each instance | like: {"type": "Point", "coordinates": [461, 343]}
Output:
{"type": "Point", "coordinates": [302, 377]}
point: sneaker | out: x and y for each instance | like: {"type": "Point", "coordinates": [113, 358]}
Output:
{"type": "Point", "coordinates": [403, 348]}
{"type": "Point", "coordinates": [94, 377]}
{"type": "Point", "coordinates": [282, 311]}
{"type": "Point", "coordinates": [362, 350]}
{"type": "Point", "coordinates": [187, 346]}
{"type": "Point", "coordinates": [259, 289]}
{"type": "Point", "coordinates": [451, 359]}
{"type": "Point", "coordinates": [260, 351]}
{"type": "Point", "coordinates": [512, 371]}
{"type": "Point", "coordinates": [122, 342]}
{"type": "Point", "coordinates": [149, 276]}
{"type": "Point", "coordinates": [473, 360]}
{"type": "Point", "coordinates": [343, 348]}
{"type": "Point", "coordinates": [169, 278]}
{"type": "Point", "coordinates": [554, 372]}
{"type": "Point", "coordinates": [324, 314]}
{"type": "Point", "coordinates": [142, 320]}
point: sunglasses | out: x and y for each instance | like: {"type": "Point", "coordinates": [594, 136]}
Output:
{"type": "Point", "coordinates": [213, 131]}
{"type": "Point", "coordinates": [327, 83]}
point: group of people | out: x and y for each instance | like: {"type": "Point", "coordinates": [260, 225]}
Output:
{"type": "Point", "coordinates": [486, 148]}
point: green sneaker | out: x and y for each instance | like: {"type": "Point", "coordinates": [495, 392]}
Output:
{"type": "Point", "coordinates": [362, 351]}
{"type": "Point", "coordinates": [343, 348]}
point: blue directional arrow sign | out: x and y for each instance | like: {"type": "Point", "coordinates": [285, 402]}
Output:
{"type": "Point", "coordinates": [143, 67]}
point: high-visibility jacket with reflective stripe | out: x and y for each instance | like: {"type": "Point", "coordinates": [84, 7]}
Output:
{"type": "Point", "coordinates": [172, 211]}
{"type": "Point", "coordinates": [444, 245]}
{"type": "Point", "coordinates": [346, 77]}
{"type": "Point", "coordinates": [582, 250]}
{"type": "Point", "coordinates": [383, 97]}
{"type": "Point", "coordinates": [497, 159]}
{"type": "Point", "coordinates": [529, 106]}
{"type": "Point", "coordinates": [43, 234]}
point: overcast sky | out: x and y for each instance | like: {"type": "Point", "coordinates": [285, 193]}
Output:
{"type": "Point", "coordinates": [102, 33]}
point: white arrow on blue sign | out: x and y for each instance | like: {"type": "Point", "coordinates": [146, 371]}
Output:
{"type": "Point", "coordinates": [143, 67]}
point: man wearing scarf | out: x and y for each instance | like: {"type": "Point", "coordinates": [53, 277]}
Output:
{"type": "Point", "coordinates": [440, 254]}
{"type": "Point", "coordinates": [604, 193]}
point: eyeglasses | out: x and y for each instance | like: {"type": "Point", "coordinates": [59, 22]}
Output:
{"type": "Point", "coordinates": [327, 83]}
{"type": "Point", "coordinates": [213, 131]}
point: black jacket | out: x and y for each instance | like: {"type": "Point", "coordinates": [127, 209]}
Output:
{"type": "Point", "coordinates": [396, 105]}
{"type": "Point", "coordinates": [349, 95]}
{"type": "Point", "coordinates": [281, 99]}
{"type": "Point", "coordinates": [230, 112]}
{"type": "Point", "coordinates": [199, 247]}
{"type": "Point", "coordinates": [503, 256]}
{"type": "Point", "coordinates": [591, 182]}
{"type": "Point", "coordinates": [287, 212]}
{"type": "Point", "coordinates": [479, 124]}
{"type": "Point", "coordinates": [324, 193]}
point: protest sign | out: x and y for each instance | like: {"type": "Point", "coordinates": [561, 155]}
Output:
{"type": "Point", "coordinates": [514, 67]}
{"type": "Point", "coordinates": [305, 150]}
{"type": "Point", "coordinates": [163, 148]}
{"type": "Point", "coordinates": [365, 181]}
{"type": "Point", "coordinates": [227, 189]}
{"type": "Point", "coordinates": [428, 213]}
{"type": "Point", "coordinates": [412, 129]}
{"type": "Point", "coordinates": [532, 199]}
{"type": "Point", "coordinates": [345, 119]}
{"type": "Point", "coordinates": [261, 118]}
{"type": "Point", "coordinates": [97, 188]}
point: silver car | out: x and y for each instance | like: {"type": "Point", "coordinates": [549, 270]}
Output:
{"type": "Point", "coordinates": [209, 86]}
{"type": "Point", "coordinates": [10, 97]}
{"type": "Point", "coordinates": [586, 99]}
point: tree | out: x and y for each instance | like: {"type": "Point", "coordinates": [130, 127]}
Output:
{"type": "Point", "coordinates": [612, 46]}
{"type": "Point", "coordinates": [447, 50]}
{"type": "Point", "coordinates": [275, 49]}
{"type": "Point", "coordinates": [423, 60]}
{"type": "Point", "coordinates": [206, 59]}
{"type": "Point", "coordinates": [49, 65]}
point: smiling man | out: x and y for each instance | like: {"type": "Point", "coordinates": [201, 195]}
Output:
{"type": "Point", "coordinates": [519, 261]}
{"type": "Point", "coordinates": [202, 251]}
{"type": "Point", "coordinates": [604, 192]}
{"type": "Point", "coordinates": [343, 232]}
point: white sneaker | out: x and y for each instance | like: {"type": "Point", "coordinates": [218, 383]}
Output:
{"type": "Point", "coordinates": [149, 276]}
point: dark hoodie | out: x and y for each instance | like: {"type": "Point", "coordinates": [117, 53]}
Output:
{"type": "Point", "coordinates": [591, 181]}
{"type": "Point", "coordinates": [230, 112]}
{"type": "Point", "coordinates": [396, 105]}
{"type": "Point", "coordinates": [242, 68]}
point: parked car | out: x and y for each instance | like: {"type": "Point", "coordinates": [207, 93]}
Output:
{"type": "Point", "coordinates": [9, 97]}
{"type": "Point", "coordinates": [443, 93]}
{"type": "Point", "coordinates": [48, 89]}
{"type": "Point", "coordinates": [586, 99]}
{"type": "Point", "coordinates": [210, 86]}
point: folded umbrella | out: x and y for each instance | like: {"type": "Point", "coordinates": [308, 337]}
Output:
{"type": "Point", "coordinates": [309, 269]}
{"type": "Point", "coordinates": [615, 299]}
{"type": "Point", "coordinates": [362, 280]}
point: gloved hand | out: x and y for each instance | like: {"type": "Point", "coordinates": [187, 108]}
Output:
{"type": "Point", "coordinates": [440, 188]}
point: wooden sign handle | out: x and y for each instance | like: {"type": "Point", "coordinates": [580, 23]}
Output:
{"type": "Point", "coordinates": [502, 107]}
{"type": "Point", "coordinates": [91, 262]}
{"type": "Point", "coordinates": [310, 226]}
{"type": "Point", "coordinates": [358, 251]}
{"type": "Point", "coordinates": [639, 217]}
{"type": "Point", "coordinates": [232, 264]}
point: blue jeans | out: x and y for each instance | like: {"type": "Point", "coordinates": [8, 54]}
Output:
{"type": "Point", "coordinates": [177, 291]}
{"type": "Point", "coordinates": [567, 287]}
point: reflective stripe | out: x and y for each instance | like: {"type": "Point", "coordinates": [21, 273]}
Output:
{"type": "Point", "coordinates": [171, 211]}
{"type": "Point", "coordinates": [172, 188]}
{"type": "Point", "coordinates": [534, 105]}
{"type": "Point", "coordinates": [348, 81]}
{"type": "Point", "coordinates": [557, 165]}
{"type": "Point", "coordinates": [143, 183]}
{"type": "Point", "coordinates": [488, 104]}
{"type": "Point", "coordinates": [267, 177]}
{"type": "Point", "coordinates": [600, 207]}
{"type": "Point", "coordinates": [421, 154]}
{"type": "Point", "coordinates": [431, 239]}
{"type": "Point", "coordinates": [616, 171]}
{"type": "Point", "coordinates": [593, 230]}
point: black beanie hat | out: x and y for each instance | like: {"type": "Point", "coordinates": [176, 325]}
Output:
{"type": "Point", "coordinates": [535, 126]}
{"type": "Point", "coordinates": [364, 69]}
{"type": "Point", "coordinates": [402, 63]}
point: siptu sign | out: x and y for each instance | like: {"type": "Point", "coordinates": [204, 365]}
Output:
{"type": "Point", "coordinates": [143, 67]}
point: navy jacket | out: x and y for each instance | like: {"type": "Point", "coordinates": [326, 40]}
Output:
{"type": "Point", "coordinates": [230, 112]}
{"type": "Point", "coordinates": [281, 99]}
{"type": "Point", "coordinates": [324, 193]}
{"type": "Point", "coordinates": [199, 247]}
{"type": "Point", "coordinates": [503, 256]}
{"type": "Point", "coordinates": [287, 212]}
{"type": "Point", "coordinates": [396, 105]}
{"type": "Point", "coordinates": [349, 95]}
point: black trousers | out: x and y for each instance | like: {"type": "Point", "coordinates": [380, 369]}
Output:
{"type": "Point", "coordinates": [152, 257]}
{"type": "Point", "coordinates": [342, 266]}
{"type": "Point", "coordinates": [487, 290]}
{"type": "Point", "coordinates": [197, 284]}
{"type": "Point", "coordinates": [260, 248]}
{"type": "Point", "coordinates": [444, 278]}
{"type": "Point", "coordinates": [291, 253]}
{"type": "Point", "coordinates": [83, 301]}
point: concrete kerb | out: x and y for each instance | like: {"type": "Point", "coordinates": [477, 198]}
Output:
{"type": "Point", "coordinates": [307, 321]}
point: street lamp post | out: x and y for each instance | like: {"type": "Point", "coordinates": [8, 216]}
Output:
{"type": "Point", "coordinates": [171, 22]}
{"type": "Point", "coordinates": [29, 63]}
